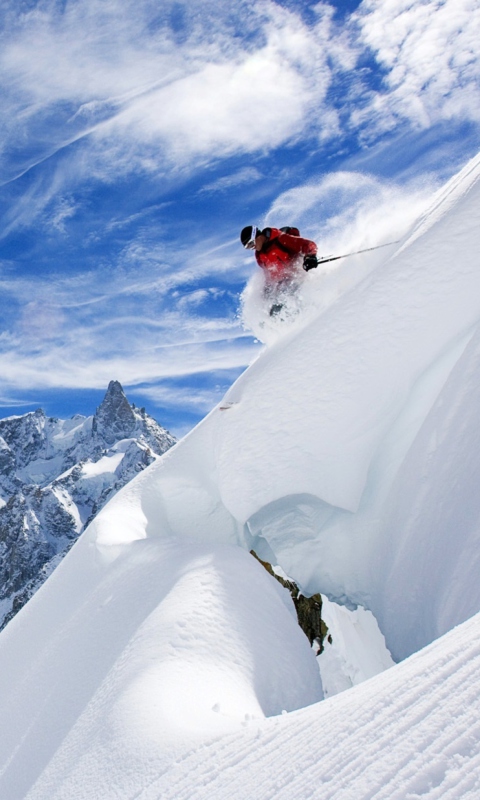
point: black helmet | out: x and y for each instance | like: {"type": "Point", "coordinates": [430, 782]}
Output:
{"type": "Point", "coordinates": [248, 236]}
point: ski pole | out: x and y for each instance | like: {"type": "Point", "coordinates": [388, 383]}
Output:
{"type": "Point", "coordinates": [365, 250]}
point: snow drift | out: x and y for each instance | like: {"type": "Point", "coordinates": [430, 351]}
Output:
{"type": "Point", "coordinates": [347, 454]}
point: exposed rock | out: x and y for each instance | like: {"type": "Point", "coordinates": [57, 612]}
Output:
{"type": "Point", "coordinates": [309, 609]}
{"type": "Point", "coordinates": [115, 417]}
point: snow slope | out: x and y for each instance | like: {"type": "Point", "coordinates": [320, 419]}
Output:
{"type": "Point", "coordinates": [145, 657]}
{"type": "Point", "coordinates": [347, 454]}
{"type": "Point", "coordinates": [412, 732]}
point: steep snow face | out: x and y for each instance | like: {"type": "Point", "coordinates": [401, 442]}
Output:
{"type": "Point", "coordinates": [367, 489]}
{"type": "Point", "coordinates": [334, 425]}
{"type": "Point", "coordinates": [329, 395]}
{"type": "Point", "coordinates": [354, 651]}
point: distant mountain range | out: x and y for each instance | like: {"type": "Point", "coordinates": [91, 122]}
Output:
{"type": "Point", "coordinates": [55, 475]}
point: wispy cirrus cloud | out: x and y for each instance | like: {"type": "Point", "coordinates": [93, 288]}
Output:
{"type": "Point", "coordinates": [140, 321]}
{"type": "Point", "coordinates": [106, 73]}
{"type": "Point", "coordinates": [47, 369]}
{"type": "Point", "coordinates": [193, 399]}
{"type": "Point", "coordinates": [138, 90]}
{"type": "Point", "coordinates": [243, 176]}
{"type": "Point", "coordinates": [429, 52]}
{"type": "Point", "coordinates": [152, 89]}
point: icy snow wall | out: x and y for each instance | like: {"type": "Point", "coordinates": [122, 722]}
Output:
{"type": "Point", "coordinates": [348, 451]}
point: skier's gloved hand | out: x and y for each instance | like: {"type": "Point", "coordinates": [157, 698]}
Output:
{"type": "Point", "coordinates": [310, 262]}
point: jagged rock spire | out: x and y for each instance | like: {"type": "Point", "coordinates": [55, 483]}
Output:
{"type": "Point", "coordinates": [114, 418]}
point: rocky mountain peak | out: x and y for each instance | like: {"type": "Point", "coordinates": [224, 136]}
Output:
{"type": "Point", "coordinates": [114, 418]}
{"type": "Point", "coordinates": [25, 435]}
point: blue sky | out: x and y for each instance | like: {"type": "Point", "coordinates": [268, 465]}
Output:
{"type": "Point", "coordinates": [139, 137]}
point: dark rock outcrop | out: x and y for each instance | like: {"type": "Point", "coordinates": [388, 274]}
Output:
{"type": "Point", "coordinates": [309, 609]}
{"type": "Point", "coordinates": [115, 417]}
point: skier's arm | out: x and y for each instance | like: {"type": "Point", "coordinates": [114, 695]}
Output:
{"type": "Point", "coordinates": [298, 245]}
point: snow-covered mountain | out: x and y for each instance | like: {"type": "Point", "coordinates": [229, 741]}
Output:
{"type": "Point", "coordinates": [55, 475]}
{"type": "Point", "coordinates": [160, 660]}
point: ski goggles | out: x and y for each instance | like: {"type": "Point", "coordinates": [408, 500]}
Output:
{"type": "Point", "coordinates": [250, 245]}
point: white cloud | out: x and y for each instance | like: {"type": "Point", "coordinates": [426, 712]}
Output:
{"type": "Point", "coordinates": [116, 82]}
{"type": "Point", "coordinates": [430, 52]}
{"type": "Point", "coordinates": [243, 176]}
{"type": "Point", "coordinates": [119, 75]}
{"type": "Point", "coordinates": [71, 366]}
{"type": "Point", "coordinates": [138, 324]}
{"type": "Point", "coordinates": [103, 71]}
{"type": "Point", "coordinates": [195, 399]}
{"type": "Point", "coordinates": [63, 210]}
{"type": "Point", "coordinates": [7, 401]}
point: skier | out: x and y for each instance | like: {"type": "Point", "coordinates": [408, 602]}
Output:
{"type": "Point", "coordinates": [279, 252]}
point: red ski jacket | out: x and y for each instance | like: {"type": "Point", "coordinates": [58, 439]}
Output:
{"type": "Point", "coordinates": [280, 255]}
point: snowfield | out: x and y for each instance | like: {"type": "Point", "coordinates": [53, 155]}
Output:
{"type": "Point", "coordinates": [160, 660]}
